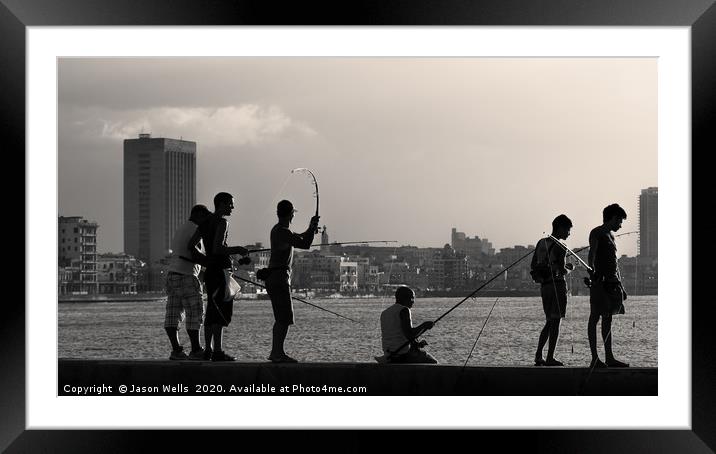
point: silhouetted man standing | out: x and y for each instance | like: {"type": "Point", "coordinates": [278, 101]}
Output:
{"type": "Point", "coordinates": [184, 288]}
{"type": "Point", "coordinates": [278, 283]}
{"type": "Point", "coordinates": [549, 268]}
{"type": "Point", "coordinates": [606, 294]}
{"type": "Point", "coordinates": [219, 308]}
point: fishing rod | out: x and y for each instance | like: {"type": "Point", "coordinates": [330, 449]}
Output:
{"type": "Point", "coordinates": [563, 246]}
{"type": "Point", "coordinates": [296, 298]}
{"type": "Point", "coordinates": [574, 253]}
{"type": "Point", "coordinates": [330, 244]}
{"type": "Point", "coordinates": [615, 236]}
{"type": "Point", "coordinates": [420, 332]}
{"type": "Point", "coordinates": [315, 184]}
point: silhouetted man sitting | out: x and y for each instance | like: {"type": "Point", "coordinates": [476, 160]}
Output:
{"type": "Point", "coordinates": [398, 335]}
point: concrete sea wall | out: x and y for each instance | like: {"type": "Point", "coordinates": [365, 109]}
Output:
{"type": "Point", "coordinates": [164, 377]}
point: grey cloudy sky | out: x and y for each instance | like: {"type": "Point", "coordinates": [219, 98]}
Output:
{"type": "Point", "coordinates": [403, 148]}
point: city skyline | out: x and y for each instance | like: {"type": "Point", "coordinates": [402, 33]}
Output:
{"type": "Point", "coordinates": [403, 149]}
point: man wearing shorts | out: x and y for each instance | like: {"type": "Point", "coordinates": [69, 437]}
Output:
{"type": "Point", "coordinates": [278, 283]}
{"type": "Point", "coordinates": [219, 307]}
{"type": "Point", "coordinates": [606, 294]}
{"type": "Point", "coordinates": [184, 288]}
{"type": "Point", "coordinates": [549, 263]}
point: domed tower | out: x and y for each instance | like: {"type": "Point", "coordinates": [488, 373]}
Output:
{"type": "Point", "coordinates": [324, 241]}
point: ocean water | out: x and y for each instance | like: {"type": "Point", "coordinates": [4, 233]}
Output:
{"type": "Point", "coordinates": [134, 330]}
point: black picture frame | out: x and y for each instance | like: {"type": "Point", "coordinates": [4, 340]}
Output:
{"type": "Point", "coordinates": [699, 15]}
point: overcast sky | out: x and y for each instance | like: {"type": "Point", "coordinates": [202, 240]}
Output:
{"type": "Point", "coordinates": [403, 148]}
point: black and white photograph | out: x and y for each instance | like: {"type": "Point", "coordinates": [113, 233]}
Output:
{"type": "Point", "coordinates": [375, 226]}
{"type": "Point", "coordinates": [423, 217]}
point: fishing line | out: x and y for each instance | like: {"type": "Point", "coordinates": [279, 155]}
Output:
{"type": "Point", "coordinates": [274, 200]}
{"type": "Point", "coordinates": [298, 299]}
{"type": "Point", "coordinates": [471, 295]}
{"type": "Point", "coordinates": [613, 322]}
{"type": "Point", "coordinates": [254, 355]}
{"type": "Point", "coordinates": [315, 185]}
{"type": "Point", "coordinates": [251, 251]}
{"type": "Point", "coordinates": [480, 333]}
{"type": "Point", "coordinates": [556, 295]}
{"type": "Point", "coordinates": [507, 337]}
{"type": "Point", "coordinates": [384, 300]}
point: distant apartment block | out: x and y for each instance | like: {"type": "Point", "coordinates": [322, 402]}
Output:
{"type": "Point", "coordinates": [159, 191]}
{"type": "Point", "coordinates": [403, 273]}
{"type": "Point", "coordinates": [118, 273]}
{"type": "Point", "coordinates": [519, 275]}
{"type": "Point", "coordinates": [77, 256]}
{"type": "Point", "coordinates": [348, 276]}
{"type": "Point", "coordinates": [649, 223]}
{"type": "Point", "coordinates": [449, 270]}
{"type": "Point", "coordinates": [313, 270]}
{"type": "Point", "coordinates": [470, 246]}
{"type": "Point", "coordinates": [258, 259]}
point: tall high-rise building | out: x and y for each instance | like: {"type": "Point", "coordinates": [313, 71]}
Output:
{"type": "Point", "coordinates": [77, 255]}
{"type": "Point", "coordinates": [159, 191]}
{"type": "Point", "coordinates": [649, 223]}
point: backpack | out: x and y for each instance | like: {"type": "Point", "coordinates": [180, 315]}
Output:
{"type": "Point", "coordinates": [541, 271]}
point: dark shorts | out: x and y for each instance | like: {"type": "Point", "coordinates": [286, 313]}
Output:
{"type": "Point", "coordinates": [605, 299]}
{"type": "Point", "coordinates": [554, 299]}
{"type": "Point", "coordinates": [279, 290]}
{"type": "Point", "coordinates": [218, 312]}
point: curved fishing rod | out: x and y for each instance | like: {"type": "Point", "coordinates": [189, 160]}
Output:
{"type": "Point", "coordinates": [315, 184]}
{"type": "Point", "coordinates": [420, 332]}
{"type": "Point", "coordinates": [296, 298]}
{"type": "Point", "coordinates": [330, 244]}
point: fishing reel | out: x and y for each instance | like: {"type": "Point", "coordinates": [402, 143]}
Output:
{"type": "Point", "coordinates": [420, 344]}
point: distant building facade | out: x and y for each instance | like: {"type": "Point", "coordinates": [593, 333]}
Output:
{"type": "Point", "coordinates": [118, 273]}
{"type": "Point", "coordinates": [313, 270]}
{"type": "Point", "coordinates": [449, 270]}
{"type": "Point", "coordinates": [159, 191]}
{"type": "Point", "coordinates": [77, 256]}
{"type": "Point", "coordinates": [348, 276]}
{"type": "Point", "coordinates": [649, 223]}
{"type": "Point", "coordinates": [472, 247]}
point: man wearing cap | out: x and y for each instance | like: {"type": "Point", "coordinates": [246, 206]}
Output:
{"type": "Point", "coordinates": [278, 283]}
{"type": "Point", "coordinates": [184, 288]}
